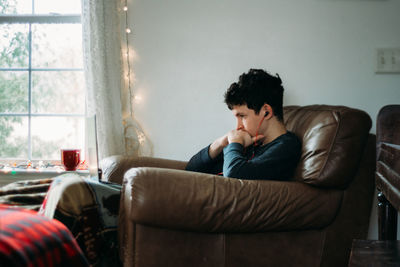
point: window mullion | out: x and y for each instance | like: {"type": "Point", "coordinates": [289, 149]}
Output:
{"type": "Point", "coordinates": [40, 19]}
{"type": "Point", "coordinates": [30, 93]}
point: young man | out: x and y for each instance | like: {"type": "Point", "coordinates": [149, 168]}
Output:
{"type": "Point", "coordinates": [260, 147]}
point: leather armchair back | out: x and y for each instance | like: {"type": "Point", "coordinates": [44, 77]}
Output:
{"type": "Point", "coordinates": [333, 142]}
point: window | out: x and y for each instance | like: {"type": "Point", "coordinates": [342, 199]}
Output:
{"type": "Point", "coordinates": [42, 94]}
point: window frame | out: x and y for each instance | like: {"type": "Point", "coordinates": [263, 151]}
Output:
{"type": "Point", "coordinates": [31, 19]}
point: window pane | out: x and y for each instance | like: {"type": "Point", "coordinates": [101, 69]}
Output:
{"type": "Point", "coordinates": [50, 134]}
{"type": "Point", "coordinates": [14, 137]}
{"type": "Point", "coordinates": [58, 6]}
{"type": "Point", "coordinates": [57, 46]}
{"type": "Point", "coordinates": [14, 49]}
{"type": "Point", "coordinates": [13, 92]}
{"type": "Point", "coordinates": [58, 92]}
{"type": "Point", "coordinates": [15, 6]}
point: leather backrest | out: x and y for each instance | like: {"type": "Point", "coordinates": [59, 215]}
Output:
{"type": "Point", "coordinates": [333, 140]}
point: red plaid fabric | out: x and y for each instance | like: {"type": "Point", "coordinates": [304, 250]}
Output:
{"type": "Point", "coordinates": [28, 239]}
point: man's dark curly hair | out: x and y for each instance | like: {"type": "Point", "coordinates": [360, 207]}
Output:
{"type": "Point", "coordinates": [254, 89]}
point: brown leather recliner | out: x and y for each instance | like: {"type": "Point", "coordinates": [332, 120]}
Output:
{"type": "Point", "coordinates": [172, 217]}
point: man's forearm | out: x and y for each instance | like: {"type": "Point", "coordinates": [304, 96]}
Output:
{"type": "Point", "coordinates": [217, 146]}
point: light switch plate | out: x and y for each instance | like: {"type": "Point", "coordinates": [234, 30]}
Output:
{"type": "Point", "coordinates": [388, 60]}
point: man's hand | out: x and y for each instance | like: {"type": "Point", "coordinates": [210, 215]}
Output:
{"type": "Point", "coordinates": [235, 136]}
{"type": "Point", "coordinates": [243, 137]}
{"type": "Point", "coordinates": [217, 146]}
{"type": "Point", "coordinates": [240, 136]}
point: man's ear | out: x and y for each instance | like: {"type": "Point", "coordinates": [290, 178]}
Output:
{"type": "Point", "coordinates": [267, 111]}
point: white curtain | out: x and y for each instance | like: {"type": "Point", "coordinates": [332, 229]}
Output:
{"type": "Point", "coordinates": [118, 133]}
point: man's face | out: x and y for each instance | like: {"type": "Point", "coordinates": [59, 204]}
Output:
{"type": "Point", "coordinates": [247, 119]}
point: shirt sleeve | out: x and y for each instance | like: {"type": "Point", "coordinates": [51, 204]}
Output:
{"type": "Point", "coordinates": [277, 162]}
{"type": "Point", "coordinates": [202, 162]}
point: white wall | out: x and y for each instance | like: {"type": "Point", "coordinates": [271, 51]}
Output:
{"type": "Point", "coordinates": [188, 52]}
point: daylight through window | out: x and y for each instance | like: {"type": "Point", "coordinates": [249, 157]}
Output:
{"type": "Point", "coordinates": [42, 94]}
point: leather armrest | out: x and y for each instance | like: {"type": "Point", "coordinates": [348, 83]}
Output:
{"type": "Point", "coordinates": [114, 167]}
{"type": "Point", "coordinates": [200, 202]}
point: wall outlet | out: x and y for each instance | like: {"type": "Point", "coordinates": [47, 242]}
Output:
{"type": "Point", "coordinates": [388, 60]}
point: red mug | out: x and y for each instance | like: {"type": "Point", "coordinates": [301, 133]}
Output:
{"type": "Point", "coordinates": [70, 158]}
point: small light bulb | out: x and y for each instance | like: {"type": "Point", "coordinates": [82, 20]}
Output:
{"type": "Point", "coordinates": [125, 8]}
{"type": "Point", "coordinates": [137, 98]}
{"type": "Point", "coordinates": [128, 30]}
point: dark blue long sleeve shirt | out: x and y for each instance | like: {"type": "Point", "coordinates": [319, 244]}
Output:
{"type": "Point", "coordinates": [276, 160]}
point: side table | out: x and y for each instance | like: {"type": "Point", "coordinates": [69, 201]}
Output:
{"type": "Point", "coordinates": [375, 253]}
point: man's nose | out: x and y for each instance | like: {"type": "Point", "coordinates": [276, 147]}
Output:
{"type": "Point", "coordinates": [239, 125]}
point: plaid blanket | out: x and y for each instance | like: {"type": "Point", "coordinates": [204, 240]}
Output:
{"type": "Point", "coordinates": [28, 239]}
{"type": "Point", "coordinates": [27, 194]}
{"type": "Point", "coordinates": [89, 209]}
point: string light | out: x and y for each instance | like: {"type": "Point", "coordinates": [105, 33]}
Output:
{"type": "Point", "coordinates": [127, 32]}
{"type": "Point", "coordinates": [13, 167]}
